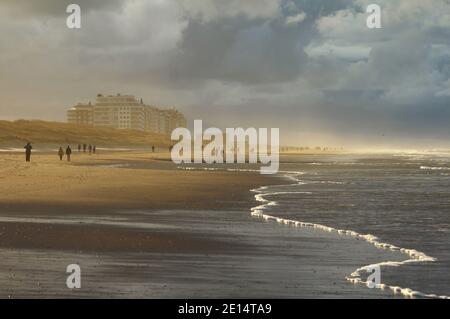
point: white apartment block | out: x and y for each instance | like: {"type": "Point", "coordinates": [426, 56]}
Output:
{"type": "Point", "coordinates": [126, 112]}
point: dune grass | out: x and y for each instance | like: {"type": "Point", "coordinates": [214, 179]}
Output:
{"type": "Point", "coordinates": [16, 133]}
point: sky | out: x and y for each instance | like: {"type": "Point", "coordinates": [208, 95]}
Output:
{"type": "Point", "coordinates": [309, 67]}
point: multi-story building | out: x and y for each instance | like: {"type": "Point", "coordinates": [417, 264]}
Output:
{"type": "Point", "coordinates": [151, 119]}
{"type": "Point", "coordinates": [171, 119]}
{"type": "Point", "coordinates": [81, 114]}
{"type": "Point", "coordinates": [126, 112]}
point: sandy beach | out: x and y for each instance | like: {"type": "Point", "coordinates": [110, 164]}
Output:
{"type": "Point", "coordinates": [91, 182]}
{"type": "Point", "coordinates": [95, 185]}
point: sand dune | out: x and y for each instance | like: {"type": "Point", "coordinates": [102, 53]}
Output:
{"type": "Point", "coordinates": [42, 133]}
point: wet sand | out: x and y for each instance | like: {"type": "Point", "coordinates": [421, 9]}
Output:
{"type": "Point", "coordinates": [198, 254]}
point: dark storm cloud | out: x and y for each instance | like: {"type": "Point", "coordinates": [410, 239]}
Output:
{"type": "Point", "coordinates": [239, 50]}
{"type": "Point", "coordinates": [250, 50]}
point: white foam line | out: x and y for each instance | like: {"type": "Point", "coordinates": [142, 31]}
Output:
{"type": "Point", "coordinates": [192, 168]}
{"type": "Point", "coordinates": [414, 255]}
{"type": "Point", "coordinates": [435, 168]}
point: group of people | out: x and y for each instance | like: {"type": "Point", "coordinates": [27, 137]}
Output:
{"type": "Point", "coordinates": [90, 148]}
{"type": "Point", "coordinates": [61, 152]}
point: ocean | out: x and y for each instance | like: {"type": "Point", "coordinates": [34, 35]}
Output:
{"type": "Point", "coordinates": [395, 202]}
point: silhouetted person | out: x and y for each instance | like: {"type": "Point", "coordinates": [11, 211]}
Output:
{"type": "Point", "coordinates": [84, 148]}
{"type": "Point", "coordinates": [28, 149]}
{"type": "Point", "coordinates": [94, 149]}
{"type": "Point", "coordinates": [68, 152]}
{"type": "Point", "coordinates": [90, 149]}
{"type": "Point", "coordinates": [61, 153]}
{"type": "Point", "coordinates": [153, 149]}
{"type": "Point", "coordinates": [79, 148]}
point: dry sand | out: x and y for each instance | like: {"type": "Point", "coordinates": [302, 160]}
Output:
{"type": "Point", "coordinates": [47, 182]}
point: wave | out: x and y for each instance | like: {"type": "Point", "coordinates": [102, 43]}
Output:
{"type": "Point", "coordinates": [192, 168]}
{"type": "Point", "coordinates": [325, 182]}
{"type": "Point", "coordinates": [434, 168]}
{"type": "Point", "coordinates": [414, 256]}
{"type": "Point", "coordinates": [333, 163]}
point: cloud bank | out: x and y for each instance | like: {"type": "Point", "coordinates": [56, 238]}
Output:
{"type": "Point", "coordinates": [310, 67]}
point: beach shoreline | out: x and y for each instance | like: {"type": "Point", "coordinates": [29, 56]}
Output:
{"type": "Point", "coordinates": [125, 216]}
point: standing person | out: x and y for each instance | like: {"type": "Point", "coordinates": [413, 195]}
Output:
{"type": "Point", "coordinates": [153, 149]}
{"type": "Point", "coordinates": [84, 148]}
{"type": "Point", "coordinates": [79, 148]}
{"type": "Point", "coordinates": [28, 149]}
{"type": "Point", "coordinates": [90, 149]}
{"type": "Point", "coordinates": [94, 149]}
{"type": "Point", "coordinates": [68, 152]}
{"type": "Point", "coordinates": [61, 153]}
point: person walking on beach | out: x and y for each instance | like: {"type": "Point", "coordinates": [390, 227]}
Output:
{"type": "Point", "coordinates": [28, 149]}
{"type": "Point", "coordinates": [68, 152]}
{"type": "Point", "coordinates": [94, 149]}
{"type": "Point", "coordinates": [153, 149]}
{"type": "Point", "coordinates": [90, 149]}
{"type": "Point", "coordinates": [61, 153]}
{"type": "Point", "coordinates": [84, 148]}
